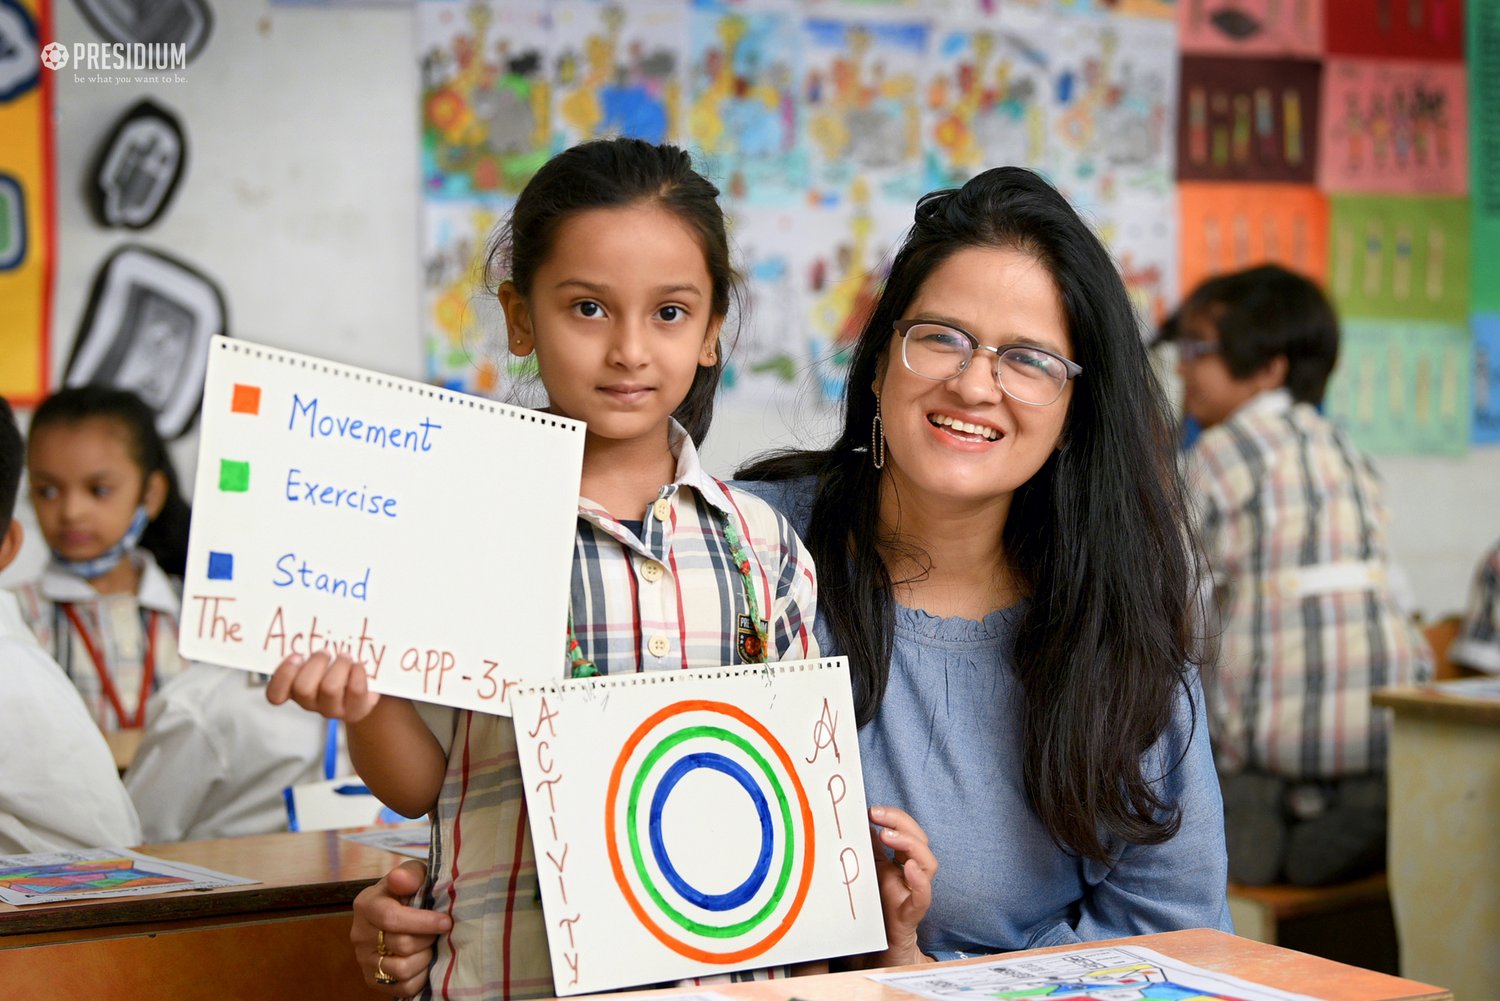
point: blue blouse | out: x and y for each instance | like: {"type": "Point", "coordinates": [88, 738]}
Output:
{"type": "Point", "coordinates": [943, 748]}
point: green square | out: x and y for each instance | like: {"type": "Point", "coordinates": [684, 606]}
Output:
{"type": "Point", "coordinates": [234, 477]}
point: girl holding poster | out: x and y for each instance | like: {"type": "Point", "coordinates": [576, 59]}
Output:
{"type": "Point", "coordinates": [1003, 538]}
{"type": "Point", "coordinates": [617, 278]}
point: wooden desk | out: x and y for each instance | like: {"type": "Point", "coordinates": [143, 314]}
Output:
{"type": "Point", "coordinates": [1444, 855]}
{"type": "Point", "coordinates": [1206, 948]}
{"type": "Point", "coordinates": [286, 936]}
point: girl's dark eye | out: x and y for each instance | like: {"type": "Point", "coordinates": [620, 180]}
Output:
{"type": "Point", "coordinates": [589, 309]}
{"type": "Point", "coordinates": [670, 313]}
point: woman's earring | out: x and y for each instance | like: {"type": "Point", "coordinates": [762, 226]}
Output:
{"type": "Point", "coordinates": [877, 437]}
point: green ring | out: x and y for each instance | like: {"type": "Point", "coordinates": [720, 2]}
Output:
{"type": "Point", "coordinates": [631, 810]}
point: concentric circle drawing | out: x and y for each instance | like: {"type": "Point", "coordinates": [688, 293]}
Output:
{"type": "Point", "coordinates": [687, 740]}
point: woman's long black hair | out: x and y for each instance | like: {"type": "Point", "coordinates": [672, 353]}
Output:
{"type": "Point", "coordinates": [1097, 537]}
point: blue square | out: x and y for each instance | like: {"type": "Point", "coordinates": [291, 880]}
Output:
{"type": "Point", "coordinates": [220, 566]}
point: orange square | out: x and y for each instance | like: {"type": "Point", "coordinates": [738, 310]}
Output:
{"type": "Point", "coordinates": [246, 399]}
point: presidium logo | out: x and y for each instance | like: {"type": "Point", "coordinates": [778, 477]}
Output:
{"type": "Point", "coordinates": [55, 56]}
{"type": "Point", "coordinates": [131, 57]}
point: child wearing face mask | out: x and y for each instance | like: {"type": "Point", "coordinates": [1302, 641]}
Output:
{"type": "Point", "coordinates": [107, 502]}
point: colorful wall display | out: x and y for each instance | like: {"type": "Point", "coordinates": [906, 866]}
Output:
{"type": "Point", "coordinates": [1408, 29]}
{"type": "Point", "coordinates": [1227, 227]}
{"type": "Point", "coordinates": [27, 241]}
{"type": "Point", "coordinates": [1394, 126]}
{"type": "Point", "coordinates": [1487, 379]}
{"type": "Point", "coordinates": [1251, 27]}
{"type": "Point", "coordinates": [1403, 386]}
{"type": "Point", "coordinates": [1484, 150]}
{"type": "Point", "coordinates": [1400, 257]}
{"type": "Point", "coordinates": [1248, 120]}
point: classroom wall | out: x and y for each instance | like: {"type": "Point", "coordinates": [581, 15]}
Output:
{"type": "Point", "coordinates": [300, 199]}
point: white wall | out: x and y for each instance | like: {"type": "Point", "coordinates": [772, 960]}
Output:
{"type": "Point", "coordinates": [301, 201]}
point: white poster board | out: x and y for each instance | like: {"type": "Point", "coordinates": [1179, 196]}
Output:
{"type": "Point", "coordinates": [426, 533]}
{"type": "Point", "coordinates": [697, 822]}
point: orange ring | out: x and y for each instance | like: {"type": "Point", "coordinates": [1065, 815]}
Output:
{"type": "Point", "coordinates": [611, 843]}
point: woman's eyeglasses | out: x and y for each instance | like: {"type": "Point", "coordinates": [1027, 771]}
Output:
{"type": "Point", "coordinates": [1026, 374]}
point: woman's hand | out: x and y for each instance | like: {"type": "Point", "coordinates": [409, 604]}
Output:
{"type": "Point", "coordinates": [409, 931]}
{"type": "Point", "coordinates": [336, 687]}
{"type": "Point", "coordinates": [905, 878]}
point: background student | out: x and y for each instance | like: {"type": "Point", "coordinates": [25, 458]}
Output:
{"type": "Point", "coordinates": [58, 785]}
{"type": "Point", "coordinates": [1478, 642]}
{"type": "Point", "coordinates": [999, 528]}
{"type": "Point", "coordinates": [107, 503]}
{"type": "Point", "coordinates": [1293, 526]}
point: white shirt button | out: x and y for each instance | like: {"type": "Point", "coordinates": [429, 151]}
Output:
{"type": "Point", "coordinates": [652, 571]}
{"type": "Point", "coordinates": [659, 645]}
{"type": "Point", "coordinates": [662, 509]}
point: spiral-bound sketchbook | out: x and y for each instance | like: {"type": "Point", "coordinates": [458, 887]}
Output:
{"type": "Point", "coordinates": [696, 822]}
{"type": "Point", "coordinates": [426, 533]}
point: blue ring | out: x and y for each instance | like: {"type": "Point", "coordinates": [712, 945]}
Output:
{"type": "Point", "coordinates": [752, 884]}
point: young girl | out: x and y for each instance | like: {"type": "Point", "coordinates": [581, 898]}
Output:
{"type": "Point", "coordinates": [618, 280]}
{"type": "Point", "coordinates": [107, 503]}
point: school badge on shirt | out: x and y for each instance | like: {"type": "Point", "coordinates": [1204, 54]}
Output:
{"type": "Point", "coordinates": [752, 648]}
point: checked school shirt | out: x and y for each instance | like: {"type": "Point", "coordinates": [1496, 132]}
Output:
{"type": "Point", "coordinates": [665, 600]}
{"type": "Point", "coordinates": [1293, 526]}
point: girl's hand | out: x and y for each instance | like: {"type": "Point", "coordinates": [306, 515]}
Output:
{"type": "Point", "coordinates": [409, 932]}
{"type": "Point", "coordinates": [336, 687]}
{"type": "Point", "coordinates": [905, 881]}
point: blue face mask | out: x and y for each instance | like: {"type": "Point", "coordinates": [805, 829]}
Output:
{"type": "Point", "coordinates": [111, 557]}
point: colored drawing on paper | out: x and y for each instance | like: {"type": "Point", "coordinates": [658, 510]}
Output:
{"type": "Point", "coordinates": [1401, 29]}
{"type": "Point", "coordinates": [861, 115]}
{"type": "Point", "coordinates": [486, 98]}
{"type": "Point", "coordinates": [1394, 126]}
{"type": "Point", "coordinates": [1486, 385]}
{"type": "Point", "coordinates": [1228, 227]}
{"type": "Point", "coordinates": [1141, 234]}
{"type": "Point", "coordinates": [1248, 120]}
{"type": "Point", "coordinates": [26, 210]}
{"type": "Point", "coordinates": [619, 70]}
{"type": "Point", "coordinates": [1484, 148]}
{"type": "Point", "coordinates": [72, 877]}
{"type": "Point", "coordinates": [1251, 27]}
{"type": "Point", "coordinates": [463, 329]}
{"type": "Point", "coordinates": [694, 822]}
{"type": "Point", "coordinates": [1108, 974]}
{"type": "Point", "coordinates": [1402, 387]}
{"type": "Point", "coordinates": [772, 348]}
{"type": "Point", "coordinates": [1158, 9]}
{"type": "Point", "coordinates": [985, 98]}
{"type": "Point", "coordinates": [640, 792]}
{"type": "Point", "coordinates": [1114, 87]}
{"type": "Point", "coordinates": [742, 104]}
{"type": "Point", "coordinates": [1402, 257]}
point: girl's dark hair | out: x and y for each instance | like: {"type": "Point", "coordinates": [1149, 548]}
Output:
{"type": "Point", "coordinates": [1267, 312]}
{"type": "Point", "coordinates": [616, 173]}
{"type": "Point", "coordinates": [1097, 537]}
{"type": "Point", "coordinates": [166, 538]}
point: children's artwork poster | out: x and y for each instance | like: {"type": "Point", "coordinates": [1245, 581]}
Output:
{"type": "Point", "coordinates": [1114, 100]}
{"type": "Point", "coordinates": [742, 110]}
{"type": "Point", "coordinates": [1394, 126]}
{"type": "Point", "coordinates": [1248, 120]}
{"type": "Point", "coordinates": [986, 96]}
{"type": "Point", "coordinates": [861, 114]}
{"type": "Point", "coordinates": [1484, 150]}
{"type": "Point", "coordinates": [1400, 257]}
{"type": "Point", "coordinates": [1402, 387]}
{"type": "Point", "coordinates": [1486, 328]}
{"type": "Point", "coordinates": [1251, 27]}
{"type": "Point", "coordinates": [327, 514]}
{"type": "Point", "coordinates": [697, 822]}
{"type": "Point", "coordinates": [54, 877]}
{"type": "Point", "coordinates": [26, 201]}
{"type": "Point", "coordinates": [1397, 29]}
{"type": "Point", "coordinates": [1121, 973]}
{"type": "Point", "coordinates": [486, 99]}
{"type": "Point", "coordinates": [1143, 232]}
{"type": "Point", "coordinates": [465, 331]}
{"type": "Point", "coordinates": [620, 69]}
{"type": "Point", "coordinates": [1229, 227]}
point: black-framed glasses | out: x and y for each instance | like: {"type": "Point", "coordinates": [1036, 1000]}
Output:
{"type": "Point", "coordinates": [1189, 351]}
{"type": "Point", "coordinates": [1026, 374]}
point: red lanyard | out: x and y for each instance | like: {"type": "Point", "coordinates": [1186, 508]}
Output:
{"type": "Point", "coordinates": [107, 683]}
